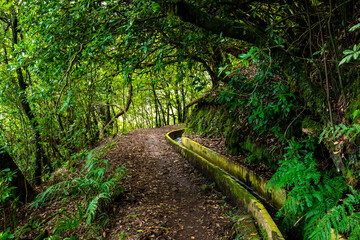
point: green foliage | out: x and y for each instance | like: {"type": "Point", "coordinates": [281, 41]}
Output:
{"type": "Point", "coordinates": [355, 27]}
{"type": "Point", "coordinates": [331, 133]}
{"type": "Point", "coordinates": [7, 199]}
{"type": "Point", "coordinates": [267, 101]}
{"type": "Point", "coordinates": [315, 197]}
{"type": "Point", "coordinates": [70, 222]}
{"type": "Point", "coordinates": [6, 177]}
{"type": "Point", "coordinates": [262, 103]}
{"type": "Point", "coordinates": [93, 183]}
{"type": "Point", "coordinates": [252, 54]}
{"type": "Point", "coordinates": [95, 186]}
{"type": "Point", "coordinates": [351, 53]}
{"type": "Point", "coordinates": [342, 218]}
{"type": "Point", "coordinates": [78, 57]}
{"type": "Point", "coordinates": [268, 104]}
{"type": "Point", "coordinates": [6, 235]}
{"type": "Point", "coordinates": [262, 111]}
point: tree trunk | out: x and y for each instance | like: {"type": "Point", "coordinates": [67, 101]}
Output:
{"type": "Point", "coordinates": [173, 114]}
{"type": "Point", "coordinates": [121, 112]}
{"type": "Point", "coordinates": [23, 189]}
{"type": "Point", "coordinates": [168, 97]}
{"type": "Point", "coordinates": [183, 95]}
{"type": "Point", "coordinates": [26, 106]}
{"type": "Point", "coordinates": [178, 104]}
{"type": "Point", "coordinates": [157, 115]}
{"type": "Point", "coordinates": [162, 111]}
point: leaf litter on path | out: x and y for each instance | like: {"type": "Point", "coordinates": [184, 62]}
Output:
{"type": "Point", "coordinates": [165, 197]}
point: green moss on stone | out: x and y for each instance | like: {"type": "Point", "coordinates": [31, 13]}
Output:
{"type": "Point", "coordinates": [233, 141]}
{"type": "Point", "coordinates": [209, 121]}
{"type": "Point", "coordinates": [215, 120]}
{"type": "Point", "coordinates": [312, 126]}
{"type": "Point", "coordinates": [256, 153]}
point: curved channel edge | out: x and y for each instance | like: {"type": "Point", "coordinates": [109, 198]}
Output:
{"type": "Point", "coordinates": [230, 187]}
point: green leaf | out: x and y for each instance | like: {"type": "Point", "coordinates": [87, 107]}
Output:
{"type": "Point", "coordinates": [354, 27]}
{"type": "Point", "coordinates": [356, 55]}
{"type": "Point", "coordinates": [346, 52]}
{"type": "Point", "coordinates": [356, 113]}
{"type": "Point", "coordinates": [345, 60]}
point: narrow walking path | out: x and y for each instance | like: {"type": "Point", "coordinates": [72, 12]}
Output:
{"type": "Point", "coordinates": [166, 198]}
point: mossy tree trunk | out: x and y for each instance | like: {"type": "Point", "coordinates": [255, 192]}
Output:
{"type": "Point", "coordinates": [23, 189]}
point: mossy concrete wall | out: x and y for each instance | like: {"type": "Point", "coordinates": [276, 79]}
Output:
{"type": "Point", "coordinates": [229, 186]}
{"type": "Point", "coordinates": [274, 197]}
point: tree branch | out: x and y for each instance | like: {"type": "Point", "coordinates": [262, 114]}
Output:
{"type": "Point", "coordinates": [71, 63]}
{"type": "Point", "coordinates": [227, 28]}
{"type": "Point", "coordinates": [202, 98]}
{"type": "Point", "coordinates": [120, 113]}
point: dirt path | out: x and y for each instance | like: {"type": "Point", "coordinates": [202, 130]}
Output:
{"type": "Point", "coordinates": [165, 196]}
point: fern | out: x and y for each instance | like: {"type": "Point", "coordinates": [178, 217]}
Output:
{"type": "Point", "coordinates": [53, 192]}
{"type": "Point", "coordinates": [331, 133]}
{"type": "Point", "coordinates": [70, 223]}
{"type": "Point", "coordinates": [93, 206]}
{"type": "Point", "coordinates": [341, 218]}
{"type": "Point", "coordinates": [95, 185]}
{"type": "Point", "coordinates": [314, 198]}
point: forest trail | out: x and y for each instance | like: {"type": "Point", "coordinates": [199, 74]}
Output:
{"type": "Point", "coordinates": [164, 197]}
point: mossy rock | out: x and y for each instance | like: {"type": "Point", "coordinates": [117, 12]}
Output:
{"type": "Point", "coordinates": [233, 140]}
{"type": "Point", "coordinates": [311, 127]}
{"type": "Point", "coordinates": [255, 152]}
{"type": "Point", "coordinates": [209, 120]}
{"type": "Point", "coordinates": [214, 120]}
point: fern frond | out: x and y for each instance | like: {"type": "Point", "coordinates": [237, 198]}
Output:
{"type": "Point", "coordinates": [51, 193]}
{"type": "Point", "coordinates": [70, 222]}
{"type": "Point", "coordinates": [92, 185]}
{"type": "Point", "coordinates": [332, 133]}
{"type": "Point", "coordinates": [91, 210]}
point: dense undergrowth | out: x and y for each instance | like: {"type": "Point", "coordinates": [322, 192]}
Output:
{"type": "Point", "coordinates": [75, 202]}
{"type": "Point", "coordinates": [260, 118]}
{"type": "Point", "coordinates": [319, 199]}
{"type": "Point", "coordinates": [7, 198]}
